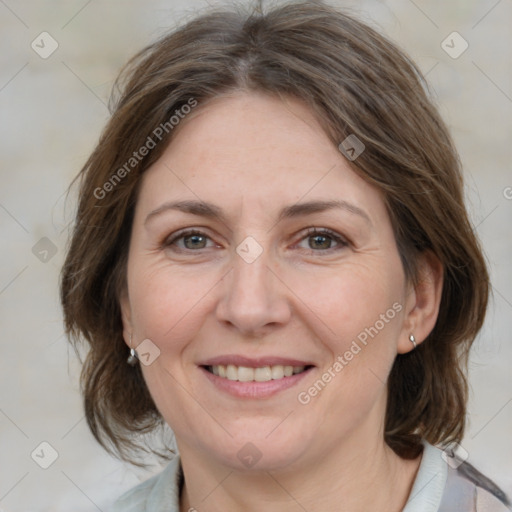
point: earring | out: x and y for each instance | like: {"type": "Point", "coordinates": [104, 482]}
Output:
{"type": "Point", "coordinates": [132, 358]}
{"type": "Point", "coordinates": [412, 339]}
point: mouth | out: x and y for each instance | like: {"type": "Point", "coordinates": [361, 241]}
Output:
{"type": "Point", "coordinates": [263, 377]}
{"type": "Point", "coordinates": [258, 374]}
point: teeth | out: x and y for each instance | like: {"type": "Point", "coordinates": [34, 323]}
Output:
{"type": "Point", "coordinates": [277, 372]}
{"type": "Point", "coordinates": [231, 372]}
{"type": "Point", "coordinates": [244, 374]}
{"type": "Point", "coordinates": [262, 374]}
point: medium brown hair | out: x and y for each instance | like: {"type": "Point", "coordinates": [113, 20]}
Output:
{"type": "Point", "coordinates": [357, 83]}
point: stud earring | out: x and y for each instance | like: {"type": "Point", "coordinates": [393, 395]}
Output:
{"type": "Point", "coordinates": [412, 339]}
{"type": "Point", "coordinates": [132, 358]}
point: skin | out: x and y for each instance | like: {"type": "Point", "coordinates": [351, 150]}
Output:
{"type": "Point", "coordinates": [303, 297]}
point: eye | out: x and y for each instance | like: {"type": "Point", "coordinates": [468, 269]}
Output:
{"type": "Point", "coordinates": [188, 240]}
{"type": "Point", "coordinates": [318, 240]}
{"type": "Point", "coordinates": [323, 240]}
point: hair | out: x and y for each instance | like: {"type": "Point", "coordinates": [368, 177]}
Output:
{"type": "Point", "coordinates": [356, 82]}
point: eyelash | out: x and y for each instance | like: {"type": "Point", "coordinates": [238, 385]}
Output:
{"type": "Point", "coordinates": [311, 232]}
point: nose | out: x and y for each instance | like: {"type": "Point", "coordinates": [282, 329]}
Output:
{"type": "Point", "coordinates": [254, 299]}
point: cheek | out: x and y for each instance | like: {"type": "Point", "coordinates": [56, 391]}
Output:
{"type": "Point", "coordinates": [359, 311]}
{"type": "Point", "coordinates": [167, 305]}
{"type": "Point", "coordinates": [168, 308]}
{"type": "Point", "coordinates": [350, 299]}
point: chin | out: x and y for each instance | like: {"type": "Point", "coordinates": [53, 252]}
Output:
{"type": "Point", "coordinates": [253, 453]}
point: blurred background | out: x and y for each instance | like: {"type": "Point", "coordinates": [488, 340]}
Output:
{"type": "Point", "coordinates": [58, 64]}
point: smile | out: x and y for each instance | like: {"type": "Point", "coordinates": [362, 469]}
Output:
{"type": "Point", "coordinates": [260, 374]}
{"type": "Point", "coordinates": [254, 382]}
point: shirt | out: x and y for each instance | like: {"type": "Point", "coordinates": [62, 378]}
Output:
{"type": "Point", "coordinates": [443, 484]}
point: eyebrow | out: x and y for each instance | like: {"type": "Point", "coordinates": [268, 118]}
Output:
{"type": "Point", "coordinates": [209, 210]}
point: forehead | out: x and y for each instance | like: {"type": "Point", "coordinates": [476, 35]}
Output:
{"type": "Point", "coordinates": [256, 149]}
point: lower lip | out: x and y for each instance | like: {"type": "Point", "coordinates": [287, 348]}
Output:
{"type": "Point", "coordinates": [254, 389]}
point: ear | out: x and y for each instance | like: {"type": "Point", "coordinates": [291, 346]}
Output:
{"type": "Point", "coordinates": [422, 302]}
{"type": "Point", "coordinates": [126, 316]}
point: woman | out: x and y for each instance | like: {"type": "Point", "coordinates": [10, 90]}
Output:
{"type": "Point", "coordinates": [272, 256]}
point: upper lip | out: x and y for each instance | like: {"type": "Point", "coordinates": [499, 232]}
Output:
{"type": "Point", "coordinates": [253, 362]}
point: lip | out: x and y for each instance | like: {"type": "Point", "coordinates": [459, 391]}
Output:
{"type": "Point", "coordinates": [254, 389]}
{"type": "Point", "coordinates": [254, 362]}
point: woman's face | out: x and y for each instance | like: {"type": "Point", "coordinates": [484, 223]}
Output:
{"type": "Point", "coordinates": [265, 275]}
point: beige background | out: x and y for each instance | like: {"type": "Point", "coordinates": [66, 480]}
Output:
{"type": "Point", "coordinates": [52, 111]}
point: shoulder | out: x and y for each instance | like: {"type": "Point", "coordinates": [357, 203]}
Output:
{"type": "Point", "coordinates": [153, 494]}
{"type": "Point", "coordinates": [465, 484]}
{"type": "Point", "coordinates": [466, 489]}
{"type": "Point", "coordinates": [445, 483]}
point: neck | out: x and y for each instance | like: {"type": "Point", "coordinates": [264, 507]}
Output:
{"type": "Point", "coordinates": [360, 475]}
